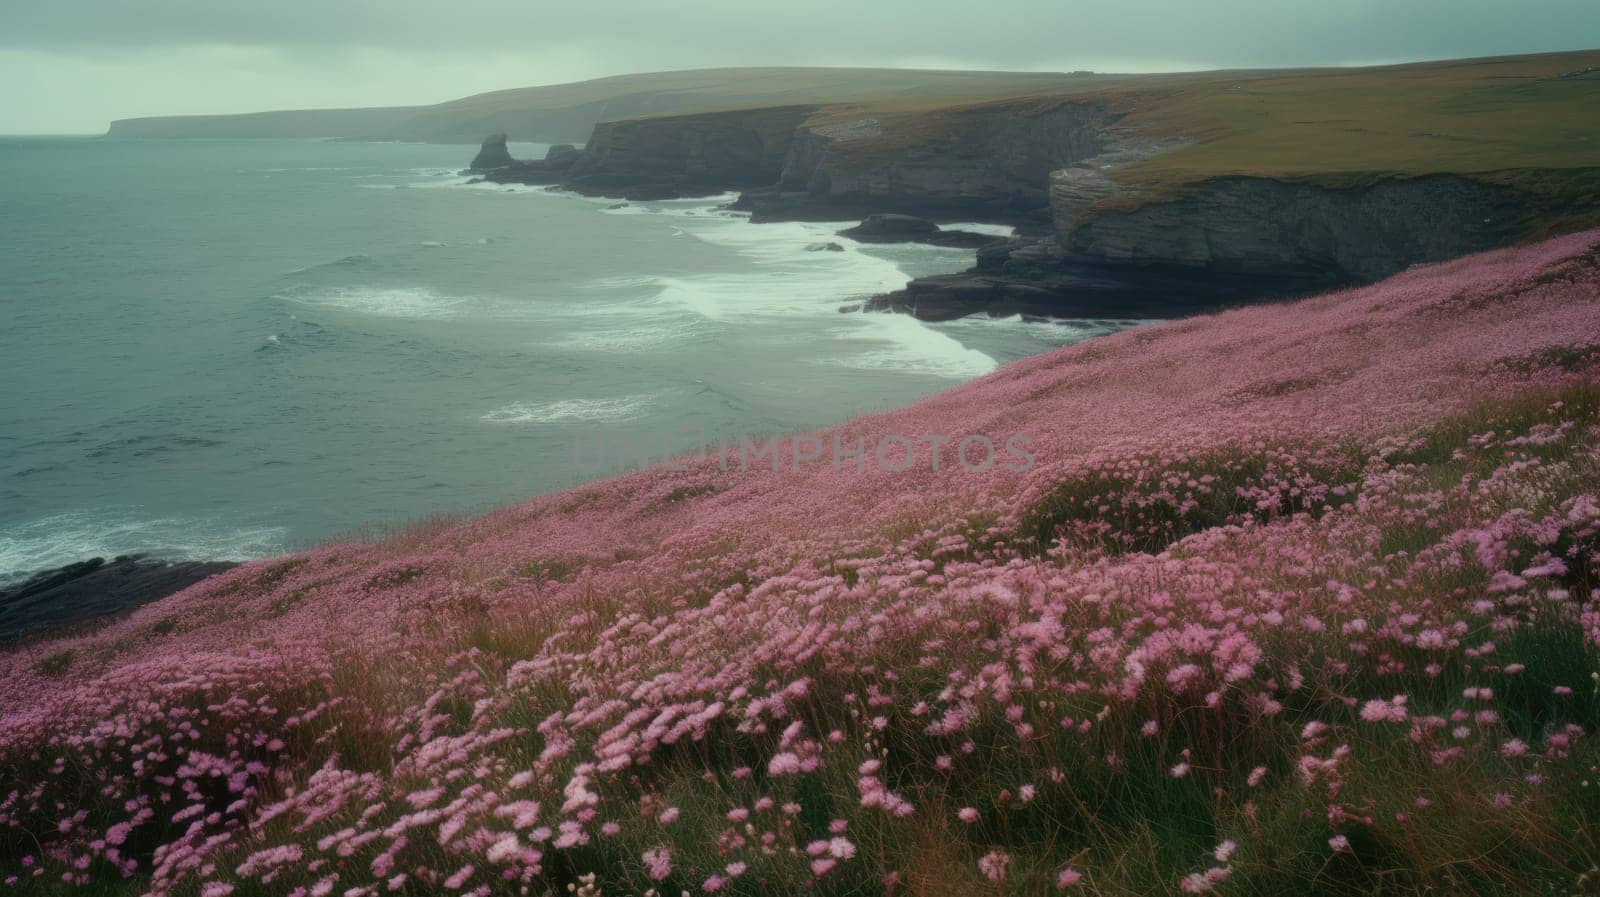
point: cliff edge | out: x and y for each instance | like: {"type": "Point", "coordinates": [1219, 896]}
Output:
{"type": "Point", "coordinates": [1153, 196]}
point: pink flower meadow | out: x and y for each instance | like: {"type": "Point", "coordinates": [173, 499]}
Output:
{"type": "Point", "coordinates": [1318, 575]}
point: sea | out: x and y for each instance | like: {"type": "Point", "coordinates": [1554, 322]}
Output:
{"type": "Point", "coordinates": [229, 349]}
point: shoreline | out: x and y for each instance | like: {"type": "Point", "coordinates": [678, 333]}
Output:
{"type": "Point", "coordinates": [1029, 273]}
{"type": "Point", "coordinates": [58, 599]}
{"type": "Point", "coordinates": [76, 590]}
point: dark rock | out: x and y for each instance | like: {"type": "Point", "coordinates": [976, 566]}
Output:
{"type": "Point", "coordinates": [825, 247]}
{"type": "Point", "coordinates": [95, 588]}
{"type": "Point", "coordinates": [562, 155]}
{"type": "Point", "coordinates": [775, 204]}
{"type": "Point", "coordinates": [494, 164]}
{"type": "Point", "coordinates": [962, 239]}
{"type": "Point", "coordinates": [701, 154]}
{"type": "Point", "coordinates": [896, 228]}
{"type": "Point", "coordinates": [1251, 225]}
{"type": "Point", "coordinates": [1035, 277]}
{"type": "Point", "coordinates": [493, 154]}
{"type": "Point", "coordinates": [891, 228]}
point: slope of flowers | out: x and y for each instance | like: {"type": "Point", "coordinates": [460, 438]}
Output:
{"type": "Point", "coordinates": [1295, 597]}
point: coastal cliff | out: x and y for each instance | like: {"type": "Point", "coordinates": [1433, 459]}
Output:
{"type": "Point", "coordinates": [1153, 198]}
{"type": "Point", "coordinates": [1250, 225]}
{"type": "Point", "coordinates": [990, 162]}
{"type": "Point", "coordinates": [1091, 246]}
{"type": "Point", "coordinates": [1225, 242]}
{"type": "Point", "coordinates": [688, 154]}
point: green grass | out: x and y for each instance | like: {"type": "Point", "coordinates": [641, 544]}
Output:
{"type": "Point", "coordinates": [1480, 116]}
{"type": "Point", "coordinates": [58, 663]}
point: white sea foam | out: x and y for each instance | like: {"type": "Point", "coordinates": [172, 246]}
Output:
{"type": "Point", "coordinates": [67, 538]}
{"type": "Point", "coordinates": [993, 230]}
{"type": "Point", "coordinates": [570, 410]}
{"type": "Point", "coordinates": [1071, 329]}
{"type": "Point", "coordinates": [651, 335]}
{"type": "Point", "coordinates": [386, 302]}
{"type": "Point", "coordinates": [789, 280]}
{"type": "Point", "coordinates": [700, 207]}
{"type": "Point", "coordinates": [622, 281]}
{"type": "Point", "coordinates": [902, 343]}
{"type": "Point", "coordinates": [454, 181]}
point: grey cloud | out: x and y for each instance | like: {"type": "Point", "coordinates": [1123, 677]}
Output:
{"type": "Point", "coordinates": [1021, 33]}
{"type": "Point", "coordinates": [75, 64]}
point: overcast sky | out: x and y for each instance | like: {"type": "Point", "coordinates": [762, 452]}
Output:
{"type": "Point", "coordinates": [70, 66]}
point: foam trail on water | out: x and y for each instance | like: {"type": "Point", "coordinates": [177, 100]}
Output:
{"type": "Point", "coordinates": [386, 302]}
{"type": "Point", "coordinates": [568, 410]}
{"type": "Point", "coordinates": [794, 276]}
{"type": "Point", "coordinates": [993, 230]}
{"type": "Point", "coordinates": [903, 343]}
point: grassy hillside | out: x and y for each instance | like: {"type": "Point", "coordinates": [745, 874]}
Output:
{"type": "Point", "coordinates": [1474, 115]}
{"type": "Point", "coordinates": [381, 122]}
{"type": "Point", "coordinates": [1500, 119]}
{"type": "Point", "coordinates": [1298, 598]}
{"type": "Point", "coordinates": [1523, 120]}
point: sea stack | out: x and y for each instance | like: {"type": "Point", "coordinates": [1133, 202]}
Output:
{"type": "Point", "coordinates": [493, 154]}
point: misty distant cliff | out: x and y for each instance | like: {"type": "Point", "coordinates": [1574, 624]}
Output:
{"type": "Point", "coordinates": [380, 122]}
{"type": "Point", "coordinates": [566, 113]}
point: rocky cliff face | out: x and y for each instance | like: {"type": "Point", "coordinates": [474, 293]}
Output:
{"type": "Point", "coordinates": [495, 164]}
{"type": "Point", "coordinates": [991, 162]}
{"type": "Point", "coordinates": [493, 154]}
{"type": "Point", "coordinates": [1226, 242]}
{"type": "Point", "coordinates": [1259, 226]}
{"type": "Point", "coordinates": [687, 155]}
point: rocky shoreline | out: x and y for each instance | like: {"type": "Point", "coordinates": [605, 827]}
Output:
{"type": "Point", "coordinates": [1088, 244]}
{"type": "Point", "coordinates": [1030, 274]}
{"type": "Point", "coordinates": [95, 588]}
{"type": "Point", "coordinates": [1036, 278]}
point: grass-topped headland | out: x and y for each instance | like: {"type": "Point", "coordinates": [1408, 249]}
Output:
{"type": "Point", "coordinates": [1524, 122]}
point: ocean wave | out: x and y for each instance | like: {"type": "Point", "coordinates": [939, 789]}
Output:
{"type": "Point", "coordinates": [790, 280]}
{"type": "Point", "coordinates": [570, 410]}
{"type": "Point", "coordinates": [699, 207]}
{"type": "Point", "coordinates": [1076, 328]}
{"type": "Point", "coordinates": [318, 168]}
{"type": "Point", "coordinates": [658, 334]}
{"type": "Point", "coordinates": [53, 541]}
{"type": "Point", "coordinates": [348, 261]}
{"type": "Point", "coordinates": [993, 230]}
{"type": "Point", "coordinates": [386, 302]}
{"type": "Point", "coordinates": [453, 181]}
{"type": "Point", "coordinates": [903, 343]}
